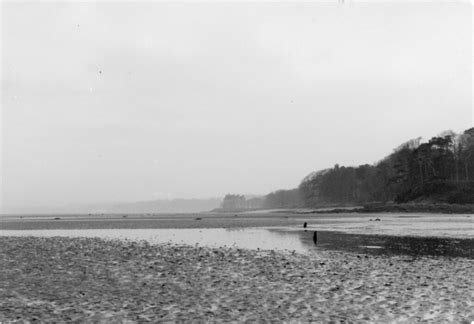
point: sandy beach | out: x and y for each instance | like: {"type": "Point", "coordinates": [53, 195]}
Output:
{"type": "Point", "coordinates": [87, 279]}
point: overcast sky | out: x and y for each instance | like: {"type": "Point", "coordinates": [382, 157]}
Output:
{"type": "Point", "coordinates": [137, 101]}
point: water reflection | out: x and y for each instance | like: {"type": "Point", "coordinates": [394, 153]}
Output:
{"type": "Point", "coordinates": [246, 238]}
{"type": "Point", "coordinates": [301, 241]}
{"type": "Point", "coordinates": [383, 244]}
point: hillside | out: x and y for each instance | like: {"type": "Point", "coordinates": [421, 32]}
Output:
{"type": "Point", "coordinates": [440, 170]}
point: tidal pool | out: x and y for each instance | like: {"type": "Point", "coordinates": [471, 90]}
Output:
{"type": "Point", "coordinates": [247, 238]}
{"type": "Point", "coordinates": [275, 239]}
{"type": "Point", "coordinates": [390, 245]}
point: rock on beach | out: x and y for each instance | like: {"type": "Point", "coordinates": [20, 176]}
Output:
{"type": "Point", "coordinates": [85, 279]}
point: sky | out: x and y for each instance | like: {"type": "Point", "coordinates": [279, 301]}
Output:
{"type": "Point", "coordinates": [121, 102]}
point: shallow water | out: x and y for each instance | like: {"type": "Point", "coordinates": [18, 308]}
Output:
{"type": "Point", "coordinates": [391, 245]}
{"type": "Point", "coordinates": [249, 238]}
{"type": "Point", "coordinates": [275, 239]}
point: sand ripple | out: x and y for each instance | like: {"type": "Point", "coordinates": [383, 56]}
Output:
{"type": "Point", "coordinates": [84, 279]}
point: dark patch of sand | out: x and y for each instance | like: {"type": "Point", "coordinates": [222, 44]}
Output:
{"type": "Point", "coordinates": [66, 279]}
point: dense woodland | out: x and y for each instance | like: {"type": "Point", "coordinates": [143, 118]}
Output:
{"type": "Point", "coordinates": [439, 170]}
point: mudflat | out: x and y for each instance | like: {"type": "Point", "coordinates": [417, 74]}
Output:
{"type": "Point", "coordinates": [413, 224]}
{"type": "Point", "coordinates": [87, 279]}
{"type": "Point", "coordinates": [92, 279]}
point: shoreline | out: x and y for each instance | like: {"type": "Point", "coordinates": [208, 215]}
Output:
{"type": "Point", "coordinates": [370, 208]}
{"type": "Point", "coordinates": [437, 208]}
{"type": "Point", "coordinates": [407, 208]}
{"type": "Point", "coordinates": [392, 224]}
{"type": "Point", "coordinates": [67, 279]}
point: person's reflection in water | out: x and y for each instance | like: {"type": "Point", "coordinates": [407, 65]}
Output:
{"type": "Point", "coordinates": [315, 237]}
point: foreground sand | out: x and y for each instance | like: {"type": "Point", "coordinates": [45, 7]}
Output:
{"type": "Point", "coordinates": [64, 279]}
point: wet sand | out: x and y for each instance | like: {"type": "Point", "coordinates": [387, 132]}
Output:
{"type": "Point", "coordinates": [271, 238]}
{"type": "Point", "coordinates": [86, 279]}
{"type": "Point", "coordinates": [415, 224]}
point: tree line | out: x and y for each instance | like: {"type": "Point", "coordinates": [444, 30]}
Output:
{"type": "Point", "coordinates": [274, 200]}
{"type": "Point", "coordinates": [439, 170]}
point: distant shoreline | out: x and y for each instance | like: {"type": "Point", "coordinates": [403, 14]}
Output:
{"type": "Point", "coordinates": [438, 208]}
{"type": "Point", "coordinates": [406, 208]}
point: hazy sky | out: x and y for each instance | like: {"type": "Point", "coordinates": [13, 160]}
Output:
{"type": "Point", "coordinates": [137, 101]}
